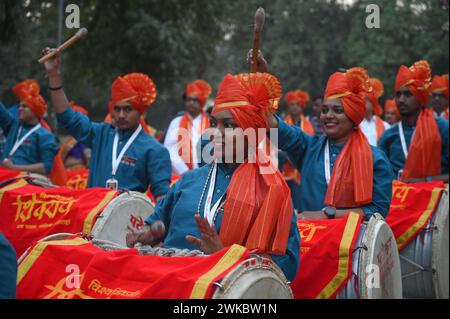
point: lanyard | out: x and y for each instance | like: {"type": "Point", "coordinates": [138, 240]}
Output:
{"type": "Point", "coordinates": [327, 163]}
{"type": "Point", "coordinates": [20, 142]}
{"type": "Point", "coordinates": [116, 159]}
{"type": "Point", "coordinates": [209, 211]}
{"type": "Point", "coordinates": [403, 140]}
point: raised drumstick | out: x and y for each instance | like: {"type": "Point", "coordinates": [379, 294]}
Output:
{"type": "Point", "coordinates": [260, 17]}
{"type": "Point", "coordinates": [80, 34]}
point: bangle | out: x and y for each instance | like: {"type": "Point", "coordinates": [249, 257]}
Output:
{"type": "Point", "coordinates": [56, 89]}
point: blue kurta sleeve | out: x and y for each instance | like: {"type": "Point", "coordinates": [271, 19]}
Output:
{"type": "Point", "coordinates": [8, 270]}
{"type": "Point", "coordinates": [290, 261]}
{"type": "Point", "coordinates": [293, 141]}
{"type": "Point", "coordinates": [159, 170]}
{"type": "Point", "coordinates": [383, 176]}
{"type": "Point", "coordinates": [78, 125]}
{"type": "Point", "coordinates": [6, 119]}
{"type": "Point", "coordinates": [47, 148]}
{"type": "Point", "coordinates": [163, 209]}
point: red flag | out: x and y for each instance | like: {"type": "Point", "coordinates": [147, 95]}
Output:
{"type": "Point", "coordinates": [106, 274]}
{"type": "Point", "coordinates": [326, 256]}
{"type": "Point", "coordinates": [412, 206]}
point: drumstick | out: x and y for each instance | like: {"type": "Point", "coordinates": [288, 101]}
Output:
{"type": "Point", "coordinates": [80, 34]}
{"type": "Point", "coordinates": [260, 17]}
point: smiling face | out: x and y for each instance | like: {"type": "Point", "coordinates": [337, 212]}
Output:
{"type": "Point", "coordinates": [335, 123]}
{"type": "Point", "coordinates": [232, 143]}
{"type": "Point", "coordinates": [125, 116]}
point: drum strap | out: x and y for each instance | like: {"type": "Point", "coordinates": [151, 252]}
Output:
{"type": "Point", "coordinates": [20, 142]}
{"type": "Point", "coordinates": [209, 212]}
{"type": "Point", "coordinates": [403, 140]}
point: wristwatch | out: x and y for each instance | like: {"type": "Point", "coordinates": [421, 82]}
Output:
{"type": "Point", "coordinates": [329, 211]}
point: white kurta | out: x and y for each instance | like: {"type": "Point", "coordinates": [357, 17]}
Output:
{"type": "Point", "coordinates": [369, 129]}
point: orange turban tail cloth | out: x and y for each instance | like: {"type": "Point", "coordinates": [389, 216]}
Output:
{"type": "Point", "coordinates": [375, 94]}
{"type": "Point", "coordinates": [351, 182]}
{"type": "Point", "coordinates": [258, 209]}
{"type": "Point", "coordinates": [424, 155]}
{"type": "Point", "coordinates": [136, 88]}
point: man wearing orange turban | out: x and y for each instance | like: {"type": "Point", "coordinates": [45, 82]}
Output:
{"type": "Point", "coordinates": [236, 202]}
{"type": "Point", "coordinates": [30, 145]}
{"type": "Point", "coordinates": [124, 156]}
{"type": "Point", "coordinates": [417, 146]}
{"type": "Point", "coordinates": [340, 171]}
{"type": "Point", "coordinates": [391, 113]}
{"type": "Point", "coordinates": [439, 91]}
{"type": "Point", "coordinates": [372, 125]}
{"type": "Point", "coordinates": [184, 132]}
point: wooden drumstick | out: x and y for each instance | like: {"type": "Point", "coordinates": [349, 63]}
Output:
{"type": "Point", "coordinates": [80, 34]}
{"type": "Point", "coordinates": [260, 17]}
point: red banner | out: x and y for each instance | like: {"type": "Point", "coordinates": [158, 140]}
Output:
{"type": "Point", "coordinates": [29, 213]}
{"type": "Point", "coordinates": [412, 207]}
{"type": "Point", "coordinates": [81, 270]}
{"type": "Point", "coordinates": [7, 174]}
{"type": "Point", "coordinates": [325, 256]}
{"type": "Point", "coordinates": [77, 178]}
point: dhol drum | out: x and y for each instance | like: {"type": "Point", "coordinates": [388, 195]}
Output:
{"type": "Point", "coordinates": [424, 261]}
{"type": "Point", "coordinates": [58, 236]}
{"type": "Point", "coordinates": [376, 270]}
{"type": "Point", "coordinates": [127, 211]}
{"type": "Point", "coordinates": [255, 278]}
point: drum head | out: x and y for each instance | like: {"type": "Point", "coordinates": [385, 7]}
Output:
{"type": "Point", "coordinates": [127, 211]}
{"type": "Point", "coordinates": [380, 273]}
{"type": "Point", "coordinates": [254, 278]}
{"type": "Point", "coordinates": [439, 251]}
{"type": "Point", "coordinates": [59, 236]}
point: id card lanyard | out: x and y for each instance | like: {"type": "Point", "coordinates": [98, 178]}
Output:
{"type": "Point", "coordinates": [20, 142]}
{"type": "Point", "coordinates": [113, 183]}
{"type": "Point", "coordinates": [209, 211]}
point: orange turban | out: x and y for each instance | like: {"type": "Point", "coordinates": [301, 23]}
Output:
{"type": "Point", "coordinates": [376, 92]}
{"type": "Point", "coordinates": [136, 88]}
{"type": "Point", "coordinates": [199, 89]}
{"type": "Point", "coordinates": [351, 181]}
{"type": "Point", "coordinates": [300, 97]}
{"type": "Point", "coordinates": [28, 92]}
{"type": "Point", "coordinates": [440, 84]}
{"type": "Point", "coordinates": [417, 78]}
{"type": "Point", "coordinates": [78, 108]}
{"type": "Point", "coordinates": [260, 203]}
{"type": "Point", "coordinates": [391, 106]}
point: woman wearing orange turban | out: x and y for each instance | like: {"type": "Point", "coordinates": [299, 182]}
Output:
{"type": "Point", "coordinates": [372, 125]}
{"type": "Point", "coordinates": [123, 156]}
{"type": "Point", "coordinates": [391, 113]}
{"type": "Point", "coordinates": [439, 91]}
{"type": "Point", "coordinates": [245, 201]}
{"type": "Point", "coordinates": [417, 146]}
{"type": "Point", "coordinates": [185, 130]}
{"type": "Point", "coordinates": [30, 145]}
{"type": "Point", "coordinates": [340, 171]}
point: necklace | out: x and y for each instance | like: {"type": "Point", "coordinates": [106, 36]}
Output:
{"type": "Point", "coordinates": [216, 213]}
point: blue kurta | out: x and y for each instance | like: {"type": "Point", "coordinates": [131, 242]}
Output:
{"type": "Point", "coordinates": [146, 162]}
{"type": "Point", "coordinates": [307, 154]}
{"type": "Point", "coordinates": [178, 208]}
{"type": "Point", "coordinates": [39, 147]}
{"type": "Point", "coordinates": [8, 269]}
{"type": "Point", "coordinates": [391, 144]}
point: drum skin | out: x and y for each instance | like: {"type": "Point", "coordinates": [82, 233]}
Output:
{"type": "Point", "coordinates": [376, 264]}
{"type": "Point", "coordinates": [128, 210]}
{"type": "Point", "coordinates": [425, 261]}
{"type": "Point", "coordinates": [254, 278]}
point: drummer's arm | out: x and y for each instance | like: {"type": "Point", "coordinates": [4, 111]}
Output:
{"type": "Point", "coordinates": [37, 168]}
{"type": "Point", "coordinates": [289, 262]}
